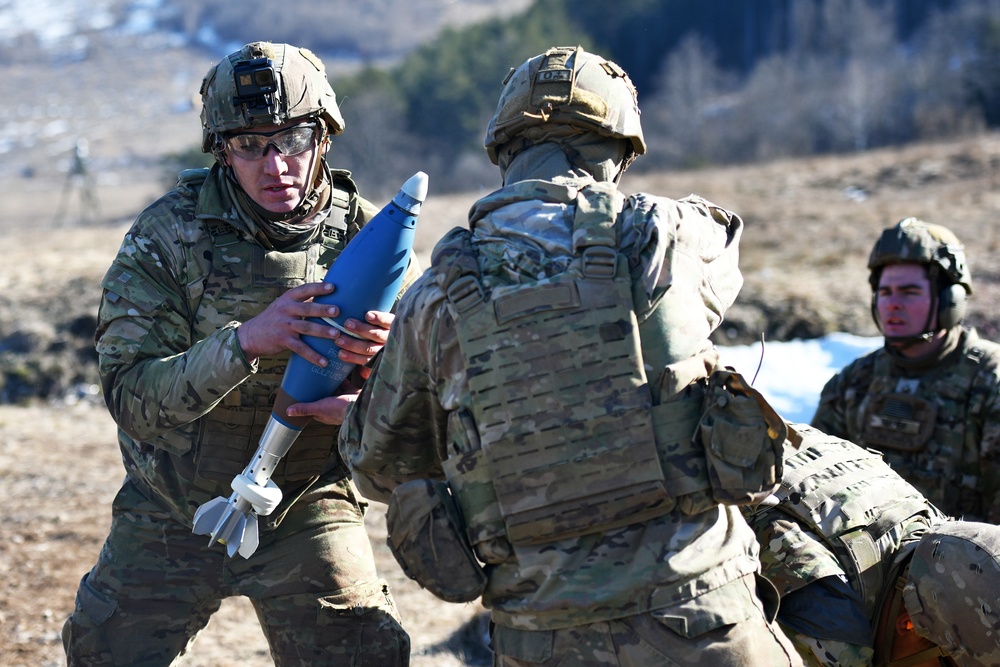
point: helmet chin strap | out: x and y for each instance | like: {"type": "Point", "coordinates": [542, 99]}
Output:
{"type": "Point", "coordinates": [312, 195]}
{"type": "Point", "coordinates": [906, 342]}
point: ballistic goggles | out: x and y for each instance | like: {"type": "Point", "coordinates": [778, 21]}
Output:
{"type": "Point", "coordinates": [288, 141]}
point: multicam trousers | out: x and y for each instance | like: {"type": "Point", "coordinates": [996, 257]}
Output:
{"type": "Point", "coordinates": [312, 582]}
{"type": "Point", "coordinates": [655, 639]}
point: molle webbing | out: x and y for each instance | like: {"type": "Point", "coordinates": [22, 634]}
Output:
{"type": "Point", "coordinates": [848, 496]}
{"type": "Point", "coordinates": [230, 436]}
{"type": "Point", "coordinates": [559, 392]}
{"type": "Point", "coordinates": [230, 433]}
{"type": "Point", "coordinates": [906, 422]}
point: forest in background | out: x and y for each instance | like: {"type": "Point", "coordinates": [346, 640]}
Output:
{"type": "Point", "coordinates": [720, 81]}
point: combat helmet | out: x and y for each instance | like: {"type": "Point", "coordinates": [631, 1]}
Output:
{"type": "Point", "coordinates": [567, 86]}
{"type": "Point", "coordinates": [952, 591]}
{"type": "Point", "coordinates": [913, 241]}
{"type": "Point", "coordinates": [265, 84]}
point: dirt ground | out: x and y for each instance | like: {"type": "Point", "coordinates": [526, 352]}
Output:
{"type": "Point", "coordinates": [59, 471]}
{"type": "Point", "coordinates": [809, 227]}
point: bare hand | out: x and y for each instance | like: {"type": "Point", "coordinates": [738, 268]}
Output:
{"type": "Point", "coordinates": [373, 333]}
{"type": "Point", "coordinates": [330, 410]}
{"type": "Point", "coordinates": [282, 324]}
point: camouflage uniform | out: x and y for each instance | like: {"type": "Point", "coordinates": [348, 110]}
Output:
{"type": "Point", "coordinates": [190, 410]}
{"type": "Point", "coordinates": [928, 400]}
{"type": "Point", "coordinates": [833, 539]}
{"type": "Point", "coordinates": [956, 466]}
{"type": "Point", "coordinates": [674, 589]}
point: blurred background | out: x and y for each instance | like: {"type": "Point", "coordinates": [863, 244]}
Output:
{"type": "Point", "coordinates": [720, 81]}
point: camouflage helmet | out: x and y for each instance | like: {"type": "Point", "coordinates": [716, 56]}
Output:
{"type": "Point", "coordinates": [265, 84]}
{"type": "Point", "coordinates": [913, 241]}
{"type": "Point", "coordinates": [952, 590]}
{"type": "Point", "coordinates": [567, 86]}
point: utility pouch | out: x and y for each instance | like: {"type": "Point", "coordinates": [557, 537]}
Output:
{"type": "Point", "coordinates": [743, 439]}
{"type": "Point", "coordinates": [427, 537]}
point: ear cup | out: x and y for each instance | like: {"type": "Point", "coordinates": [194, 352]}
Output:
{"type": "Point", "coordinates": [952, 306]}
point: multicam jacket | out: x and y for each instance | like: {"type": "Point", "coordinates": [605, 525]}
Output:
{"type": "Point", "coordinates": [189, 407]}
{"type": "Point", "coordinates": [949, 415]}
{"type": "Point", "coordinates": [403, 426]}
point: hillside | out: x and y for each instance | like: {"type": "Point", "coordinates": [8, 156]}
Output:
{"type": "Point", "coordinates": [809, 227]}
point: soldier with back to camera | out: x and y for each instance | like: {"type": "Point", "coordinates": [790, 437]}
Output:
{"type": "Point", "coordinates": [929, 400]}
{"type": "Point", "coordinates": [204, 302]}
{"type": "Point", "coordinates": [544, 414]}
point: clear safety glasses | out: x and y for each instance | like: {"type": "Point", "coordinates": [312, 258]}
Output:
{"type": "Point", "coordinates": [289, 141]}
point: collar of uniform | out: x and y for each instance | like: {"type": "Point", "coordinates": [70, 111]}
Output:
{"type": "Point", "coordinates": [524, 190]}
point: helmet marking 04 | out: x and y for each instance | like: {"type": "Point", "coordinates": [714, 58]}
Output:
{"type": "Point", "coordinates": [567, 86]}
{"type": "Point", "coordinates": [952, 590]}
{"type": "Point", "coordinates": [265, 84]}
{"type": "Point", "coordinates": [913, 241]}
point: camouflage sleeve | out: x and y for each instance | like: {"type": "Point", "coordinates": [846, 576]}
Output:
{"type": "Point", "coordinates": [791, 555]}
{"type": "Point", "coordinates": [830, 417]}
{"type": "Point", "coordinates": [691, 247]}
{"type": "Point", "coordinates": [988, 384]}
{"type": "Point", "coordinates": [366, 211]}
{"type": "Point", "coordinates": [396, 429]}
{"type": "Point", "coordinates": [155, 377]}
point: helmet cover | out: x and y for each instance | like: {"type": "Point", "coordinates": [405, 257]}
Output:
{"type": "Point", "coordinates": [567, 86]}
{"type": "Point", "coordinates": [952, 590]}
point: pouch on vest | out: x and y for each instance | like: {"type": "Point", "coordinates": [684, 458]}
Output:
{"type": "Point", "coordinates": [901, 422]}
{"type": "Point", "coordinates": [427, 537]}
{"type": "Point", "coordinates": [743, 438]}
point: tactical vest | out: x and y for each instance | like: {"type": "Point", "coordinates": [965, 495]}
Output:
{"type": "Point", "coordinates": [225, 289]}
{"type": "Point", "coordinates": [924, 433]}
{"type": "Point", "coordinates": [562, 439]}
{"type": "Point", "coordinates": [851, 499]}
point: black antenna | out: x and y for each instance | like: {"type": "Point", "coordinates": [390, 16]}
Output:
{"type": "Point", "coordinates": [761, 361]}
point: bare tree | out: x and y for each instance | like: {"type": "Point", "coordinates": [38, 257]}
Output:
{"type": "Point", "coordinates": [681, 118]}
